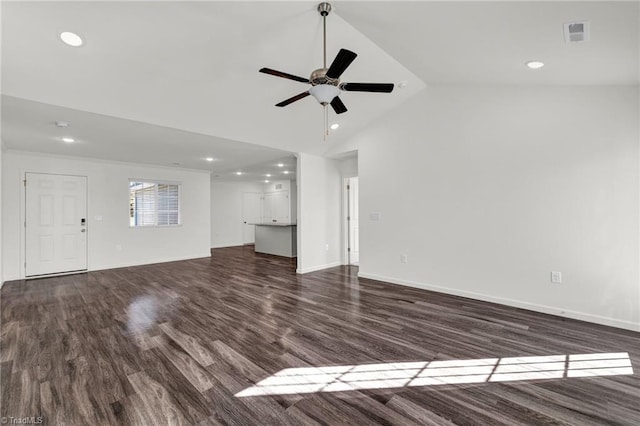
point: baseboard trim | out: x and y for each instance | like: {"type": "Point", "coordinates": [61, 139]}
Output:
{"type": "Point", "coordinates": [318, 268]}
{"type": "Point", "coordinates": [125, 265]}
{"type": "Point", "coordinates": [560, 312]}
{"type": "Point", "coordinates": [149, 262]}
{"type": "Point", "coordinates": [217, 246]}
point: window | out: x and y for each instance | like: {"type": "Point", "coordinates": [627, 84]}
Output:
{"type": "Point", "coordinates": [154, 204]}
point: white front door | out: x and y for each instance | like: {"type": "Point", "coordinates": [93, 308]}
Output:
{"type": "Point", "coordinates": [56, 224]}
{"type": "Point", "coordinates": [250, 214]}
{"type": "Point", "coordinates": [354, 225]}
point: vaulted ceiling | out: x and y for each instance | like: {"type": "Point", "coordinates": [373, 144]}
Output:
{"type": "Point", "coordinates": [175, 82]}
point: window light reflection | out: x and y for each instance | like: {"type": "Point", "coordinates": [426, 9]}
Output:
{"type": "Point", "coordinates": [340, 378]}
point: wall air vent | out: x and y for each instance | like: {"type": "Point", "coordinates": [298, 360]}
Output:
{"type": "Point", "coordinates": [278, 186]}
{"type": "Point", "coordinates": [576, 32]}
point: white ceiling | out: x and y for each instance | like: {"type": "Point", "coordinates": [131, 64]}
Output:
{"type": "Point", "coordinates": [30, 126]}
{"type": "Point", "coordinates": [482, 42]}
{"type": "Point", "coordinates": [183, 76]}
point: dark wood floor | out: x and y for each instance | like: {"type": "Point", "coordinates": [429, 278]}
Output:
{"type": "Point", "coordinates": [179, 343]}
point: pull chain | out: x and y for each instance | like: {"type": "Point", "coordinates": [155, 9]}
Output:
{"type": "Point", "coordinates": [325, 118]}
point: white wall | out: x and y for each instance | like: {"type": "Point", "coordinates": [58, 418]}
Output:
{"type": "Point", "coordinates": [319, 183]}
{"type": "Point", "coordinates": [488, 190]}
{"type": "Point", "coordinates": [349, 166]}
{"type": "Point", "coordinates": [226, 211]}
{"type": "Point", "coordinates": [1, 268]}
{"type": "Point", "coordinates": [109, 198]}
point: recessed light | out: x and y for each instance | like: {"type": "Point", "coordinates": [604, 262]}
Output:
{"type": "Point", "coordinates": [286, 172]}
{"type": "Point", "coordinates": [280, 165]}
{"type": "Point", "coordinates": [268, 175]}
{"type": "Point", "coordinates": [534, 65]}
{"type": "Point", "coordinates": [71, 39]}
{"type": "Point", "coordinates": [334, 126]}
{"type": "Point", "coordinates": [68, 139]}
{"type": "Point", "coordinates": [238, 173]}
{"type": "Point", "coordinates": [266, 181]}
{"type": "Point", "coordinates": [209, 159]}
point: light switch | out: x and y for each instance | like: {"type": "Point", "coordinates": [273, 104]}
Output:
{"type": "Point", "coordinates": [97, 218]}
{"type": "Point", "coordinates": [374, 216]}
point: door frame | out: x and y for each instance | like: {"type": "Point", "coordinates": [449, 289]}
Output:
{"type": "Point", "coordinates": [346, 256]}
{"type": "Point", "coordinates": [242, 210]}
{"type": "Point", "coordinates": [23, 224]}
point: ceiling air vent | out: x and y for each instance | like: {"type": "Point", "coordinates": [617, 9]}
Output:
{"type": "Point", "coordinates": [576, 32]}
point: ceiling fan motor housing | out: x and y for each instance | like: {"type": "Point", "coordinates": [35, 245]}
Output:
{"type": "Point", "coordinates": [319, 76]}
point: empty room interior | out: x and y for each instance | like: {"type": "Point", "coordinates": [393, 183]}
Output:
{"type": "Point", "coordinates": [311, 213]}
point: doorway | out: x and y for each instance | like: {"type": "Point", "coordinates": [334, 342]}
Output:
{"type": "Point", "coordinates": [353, 214]}
{"type": "Point", "coordinates": [55, 224]}
{"type": "Point", "coordinates": [251, 206]}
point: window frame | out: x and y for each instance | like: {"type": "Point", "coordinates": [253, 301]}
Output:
{"type": "Point", "coordinates": [155, 184]}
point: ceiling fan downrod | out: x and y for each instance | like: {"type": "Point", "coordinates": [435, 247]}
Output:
{"type": "Point", "coordinates": [324, 9]}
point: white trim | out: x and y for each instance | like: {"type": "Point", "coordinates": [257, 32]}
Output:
{"type": "Point", "coordinates": [344, 223]}
{"type": "Point", "coordinates": [560, 312]}
{"type": "Point", "coordinates": [116, 266]}
{"type": "Point", "coordinates": [103, 161]}
{"type": "Point", "coordinates": [223, 245]}
{"type": "Point", "coordinates": [150, 262]}
{"type": "Point", "coordinates": [318, 268]}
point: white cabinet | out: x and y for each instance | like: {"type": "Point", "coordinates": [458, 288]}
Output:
{"type": "Point", "coordinates": [277, 204]}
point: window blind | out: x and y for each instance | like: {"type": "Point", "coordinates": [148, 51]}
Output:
{"type": "Point", "coordinates": [154, 204]}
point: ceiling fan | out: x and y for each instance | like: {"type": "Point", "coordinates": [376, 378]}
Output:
{"type": "Point", "coordinates": [325, 82]}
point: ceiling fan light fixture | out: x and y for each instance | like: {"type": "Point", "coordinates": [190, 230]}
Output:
{"type": "Point", "coordinates": [324, 93]}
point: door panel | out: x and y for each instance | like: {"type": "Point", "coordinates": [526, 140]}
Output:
{"type": "Point", "coordinates": [55, 233]}
{"type": "Point", "coordinates": [250, 214]}
{"type": "Point", "coordinates": [354, 225]}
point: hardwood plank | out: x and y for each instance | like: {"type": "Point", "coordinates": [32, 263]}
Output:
{"type": "Point", "coordinates": [175, 342]}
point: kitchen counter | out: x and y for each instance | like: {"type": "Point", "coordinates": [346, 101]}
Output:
{"type": "Point", "coordinates": [276, 238]}
{"type": "Point", "coordinates": [273, 224]}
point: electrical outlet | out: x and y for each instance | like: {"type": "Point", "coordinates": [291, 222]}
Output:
{"type": "Point", "coordinates": [326, 247]}
{"type": "Point", "coordinates": [556, 277]}
{"type": "Point", "coordinates": [118, 247]}
{"type": "Point", "coordinates": [404, 258]}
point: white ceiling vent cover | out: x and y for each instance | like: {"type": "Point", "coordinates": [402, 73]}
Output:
{"type": "Point", "coordinates": [576, 32]}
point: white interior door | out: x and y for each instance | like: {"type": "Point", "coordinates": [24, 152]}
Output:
{"type": "Point", "coordinates": [250, 214]}
{"type": "Point", "coordinates": [354, 214]}
{"type": "Point", "coordinates": [55, 224]}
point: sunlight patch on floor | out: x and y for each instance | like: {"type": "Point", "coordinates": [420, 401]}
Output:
{"type": "Point", "coordinates": [340, 378]}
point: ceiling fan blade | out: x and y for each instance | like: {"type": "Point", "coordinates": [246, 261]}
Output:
{"type": "Point", "coordinates": [367, 87]}
{"type": "Point", "coordinates": [340, 63]}
{"type": "Point", "coordinates": [338, 106]}
{"type": "Point", "coordinates": [284, 75]}
{"type": "Point", "coordinates": [293, 99]}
